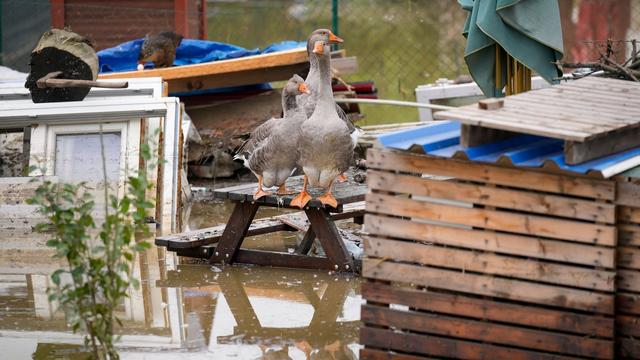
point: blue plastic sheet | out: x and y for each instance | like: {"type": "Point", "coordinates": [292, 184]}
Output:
{"type": "Point", "coordinates": [124, 56]}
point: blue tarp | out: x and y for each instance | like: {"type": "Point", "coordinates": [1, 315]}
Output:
{"type": "Point", "coordinates": [124, 56]}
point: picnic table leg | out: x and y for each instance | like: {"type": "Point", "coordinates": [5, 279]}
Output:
{"type": "Point", "coordinates": [330, 239]}
{"type": "Point", "coordinates": [238, 301]}
{"type": "Point", "coordinates": [307, 242]}
{"type": "Point", "coordinates": [234, 232]}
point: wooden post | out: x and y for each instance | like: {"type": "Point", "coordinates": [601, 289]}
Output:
{"type": "Point", "coordinates": [329, 238]}
{"type": "Point", "coordinates": [57, 14]}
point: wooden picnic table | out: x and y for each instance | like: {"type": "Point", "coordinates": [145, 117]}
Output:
{"type": "Point", "coordinates": [319, 223]}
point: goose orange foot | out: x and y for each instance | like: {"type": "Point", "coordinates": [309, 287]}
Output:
{"type": "Point", "coordinates": [301, 199]}
{"type": "Point", "coordinates": [342, 178]}
{"type": "Point", "coordinates": [282, 190]}
{"type": "Point", "coordinates": [260, 192]}
{"type": "Point", "coordinates": [328, 200]}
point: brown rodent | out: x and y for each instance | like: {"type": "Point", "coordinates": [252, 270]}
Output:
{"type": "Point", "coordinates": [160, 49]}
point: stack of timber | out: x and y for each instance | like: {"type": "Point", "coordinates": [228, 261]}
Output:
{"type": "Point", "coordinates": [628, 264]}
{"type": "Point", "coordinates": [482, 261]}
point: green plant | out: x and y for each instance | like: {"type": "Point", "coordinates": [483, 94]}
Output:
{"type": "Point", "coordinates": [99, 254]}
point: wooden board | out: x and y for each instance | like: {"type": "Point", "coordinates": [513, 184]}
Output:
{"type": "Point", "coordinates": [492, 219]}
{"type": "Point", "coordinates": [489, 286]}
{"type": "Point", "coordinates": [487, 332]}
{"type": "Point", "coordinates": [541, 203]}
{"type": "Point", "coordinates": [556, 121]}
{"type": "Point", "coordinates": [233, 72]}
{"type": "Point", "coordinates": [491, 174]}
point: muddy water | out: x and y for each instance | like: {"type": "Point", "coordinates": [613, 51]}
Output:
{"type": "Point", "coordinates": [190, 311]}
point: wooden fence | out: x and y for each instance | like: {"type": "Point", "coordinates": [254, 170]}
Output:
{"type": "Point", "coordinates": [498, 262]}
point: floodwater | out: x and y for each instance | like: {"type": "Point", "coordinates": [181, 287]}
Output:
{"type": "Point", "coordinates": [189, 310]}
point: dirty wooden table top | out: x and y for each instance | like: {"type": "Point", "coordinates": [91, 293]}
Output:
{"type": "Point", "coordinates": [346, 192]}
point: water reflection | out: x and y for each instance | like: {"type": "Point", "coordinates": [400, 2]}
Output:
{"type": "Point", "coordinates": [190, 311]}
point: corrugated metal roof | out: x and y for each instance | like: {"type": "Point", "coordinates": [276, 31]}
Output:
{"type": "Point", "coordinates": [443, 139]}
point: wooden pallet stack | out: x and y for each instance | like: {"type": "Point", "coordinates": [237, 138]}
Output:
{"type": "Point", "coordinates": [628, 264]}
{"type": "Point", "coordinates": [485, 261]}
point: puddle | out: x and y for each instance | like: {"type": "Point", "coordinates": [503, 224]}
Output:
{"type": "Point", "coordinates": [191, 311]}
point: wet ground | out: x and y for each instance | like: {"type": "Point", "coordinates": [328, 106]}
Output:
{"type": "Point", "coordinates": [190, 311]}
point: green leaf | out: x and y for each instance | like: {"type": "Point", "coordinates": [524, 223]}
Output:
{"type": "Point", "coordinates": [55, 277]}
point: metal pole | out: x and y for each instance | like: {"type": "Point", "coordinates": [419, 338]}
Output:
{"type": "Point", "coordinates": [394, 102]}
{"type": "Point", "coordinates": [334, 20]}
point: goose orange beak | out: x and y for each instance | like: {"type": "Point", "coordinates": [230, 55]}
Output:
{"type": "Point", "coordinates": [303, 88]}
{"type": "Point", "coordinates": [333, 39]}
{"type": "Point", "coordinates": [318, 48]}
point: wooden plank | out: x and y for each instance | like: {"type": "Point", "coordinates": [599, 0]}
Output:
{"type": "Point", "coordinates": [561, 98]}
{"type": "Point", "coordinates": [262, 61]}
{"type": "Point", "coordinates": [489, 286]}
{"type": "Point", "coordinates": [579, 152]}
{"type": "Point", "coordinates": [629, 348]}
{"type": "Point", "coordinates": [487, 332]}
{"type": "Point", "coordinates": [629, 235]}
{"type": "Point", "coordinates": [628, 257]}
{"type": "Point", "coordinates": [492, 219]}
{"type": "Point", "coordinates": [628, 325]}
{"type": "Point", "coordinates": [518, 178]}
{"type": "Point", "coordinates": [628, 194]}
{"type": "Point", "coordinates": [211, 235]}
{"type": "Point", "coordinates": [487, 263]}
{"type": "Point", "coordinates": [490, 310]}
{"type": "Point", "coordinates": [627, 303]}
{"type": "Point", "coordinates": [444, 347]}
{"type": "Point", "coordinates": [629, 280]}
{"type": "Point", "coordinates": [372, 354]}
{"type": "Point", "coordinates": [573, 108]}
{"type": "Point", "coordinates": [491, 241]}
{"type": "Point", "coordinates": [629, 214]}
{"type": "Point", "coordinates": [492, 196]}
{"type": "Point", "coordinates": [471, 135]}
{"type": "Point", "coordinates": [509, 123]}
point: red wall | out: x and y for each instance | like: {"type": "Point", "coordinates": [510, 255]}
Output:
{"type": "Point", "coordinates": [109, 23]}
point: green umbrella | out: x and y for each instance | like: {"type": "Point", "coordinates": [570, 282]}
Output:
{"type": "Point", "coordinates": [504, 35]}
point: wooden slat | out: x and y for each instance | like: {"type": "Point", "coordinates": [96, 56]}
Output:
{"type": "Point", "coordinates": [487, 332]}
{"type": "Point", "coordinates": [627, 303]}
{"type": "Point", "coordinates": [628, 194]}
{"type": "Point", "coordinates": [492, 264]}
{"type": "Point", "coordinates": [491, 241]}
{"type": "Point", "coordinates": [491, 219]}
{"type": "Point", "coordinates": [490, 310]}
{"type": "Point", "coordinates": [576, 108]}
{"type": "Point", "coordinates": [629, 235]}
{"type": "Point", "coordinates": [629, 348]}
{"type": "Point", "coordinates": [629, 280]}
{"type": "Point", "coordinates": [628, 325]}
{"type": "Point", "coordinates": [629, 214]}
{"type": "Point", "coordinates": [563, 97]}
{"type": "Point", "coordinates": [506, 122]}
{"type": "Point", "coordinates": [444, 347]}
{"type": "Point", "coordinates": [489, 286]}
{"type": "Point", "coordinates": [518, 178]}
{"type": "Point", "coordinates": [505, 198]}
{"type": "Point", "coordinates": [372, 354]}
{"type": "Point", "coordinates": [628, 257]}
